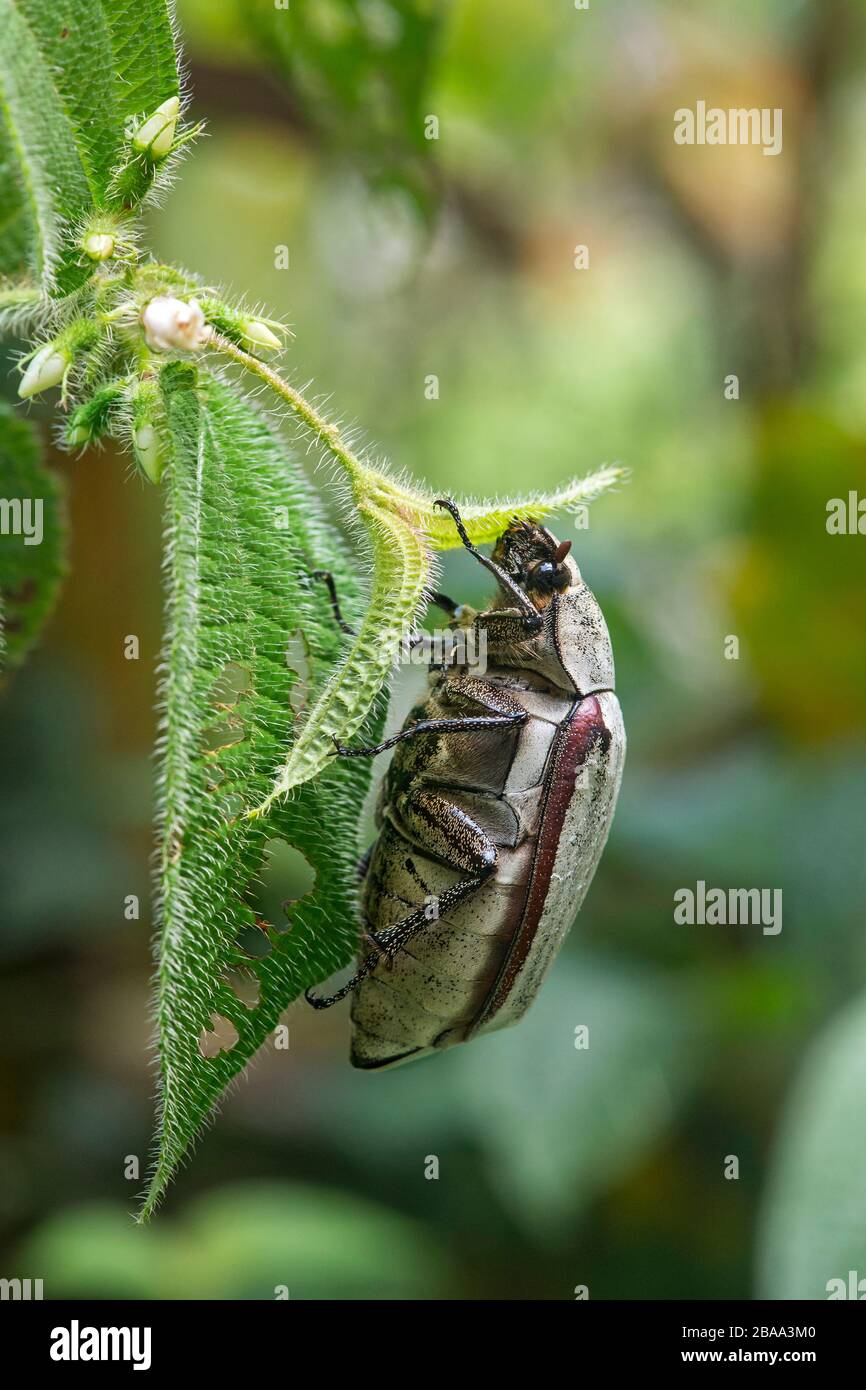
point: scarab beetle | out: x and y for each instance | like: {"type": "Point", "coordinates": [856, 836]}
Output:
{"type": "Point", "coordinates": [493, 813]}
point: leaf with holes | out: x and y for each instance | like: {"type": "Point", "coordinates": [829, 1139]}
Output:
{"type": "Point", "coordinates": [243, 537]}
{"type": "Point", "coordinates": [73, 74]}
{"type": "Point", "coordinates": [32, 530]}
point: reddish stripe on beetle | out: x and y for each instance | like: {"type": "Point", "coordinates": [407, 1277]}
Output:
{"type": "Point", "coordinates": [574, 742]}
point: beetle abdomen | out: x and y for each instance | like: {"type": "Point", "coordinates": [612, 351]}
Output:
{"type": "Point", "coordinates": [479, 967]}
{"type": "Point", "coordinates": [438, 983]}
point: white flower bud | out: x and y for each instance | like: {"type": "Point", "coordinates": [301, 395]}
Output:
{"type": "Point", "coordinates": [99, 246]}
{"type": "Point", "coordinates": [258, 336]}
{"type": "Point", "coordinates": [174, 324]}
{"type": "Point", "coordinates": [154, 136]}
{"type": "Point", "coordinates": [148, 452]}
{"type": "Point", "coordinates": [46, 368]}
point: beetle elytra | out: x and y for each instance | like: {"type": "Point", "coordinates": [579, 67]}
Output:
{"type": "Point", "coordinates": [493, 814]}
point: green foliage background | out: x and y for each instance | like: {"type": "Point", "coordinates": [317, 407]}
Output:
{"type": "Point", "coordinates": [557, 1167]}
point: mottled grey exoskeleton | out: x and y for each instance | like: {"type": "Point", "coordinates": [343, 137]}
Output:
{"type": "Point", "coordinates": [493, 814]}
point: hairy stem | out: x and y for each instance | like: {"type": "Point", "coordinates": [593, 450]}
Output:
{"type": "Point", "coordinates": [416, 505]}
{"type": "Point", "coordinates": [327, 433]}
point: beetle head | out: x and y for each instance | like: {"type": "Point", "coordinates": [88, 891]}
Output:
{"type": "Point", "coordinates": [535, 560]}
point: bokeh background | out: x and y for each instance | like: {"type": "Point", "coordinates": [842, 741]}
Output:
{"type": "Point", "coordinates": [410, 258]}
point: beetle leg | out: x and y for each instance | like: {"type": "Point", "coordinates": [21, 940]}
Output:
{"type": "Point", "coordinates": [367, 965]}
{"type": "Point", "coordinates": [531, 616]}
{"type": "Point", "coordinates": [447, 832]}
{"type": "Point", "coordinates": [447, 604]}
{"type": "Point", "coordinates": [433, 726]}
{"type": "Point", "coordinates": [328, 580]}
{"type": "Point", "coordinates": [460, 842]}
{"type": "Point", "coordinates": [471, 692]}
{"type": "Point", "coordinates": [451, 835]}
{"type": "Point", "coordinates": [395, 938]}
{"type": "Point", "coordinates": [503, 712]}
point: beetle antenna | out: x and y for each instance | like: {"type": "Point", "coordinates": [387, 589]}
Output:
{"type": "Point", "coordinates": [530, 612]}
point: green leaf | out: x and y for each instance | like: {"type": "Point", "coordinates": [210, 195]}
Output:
{"type": "Point", "coordinates": [72, 74]}
{"type": "Point", "coordinates": [31, 538]}
{"type": "Point", "coordinates": [244, 535]}
{"type": "Point", "coordinates": [244, 1241]}
{"type": "Point", "coordinates": [360, 74]}
{"type": "Point", "coordinates": [18, 227]}
{"type": "Point", "coordinates": [814, 1220]}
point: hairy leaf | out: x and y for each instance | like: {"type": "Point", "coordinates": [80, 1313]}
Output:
{"type": "Point", "coordinates": [485, 521]}
{"type": "Point", "coordinates": [401, 570]}
{"type": "Point", "coordinates": [72, 73]}
{"type": "Point", "coordinates": [31, 538]}
{"type": "Point", "coordinates": [19, 240]}
{"type": "Point", "coordinates": [244, 535]}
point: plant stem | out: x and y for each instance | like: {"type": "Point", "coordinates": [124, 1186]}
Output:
{"type": "Point", "coordinates": [327, 433]}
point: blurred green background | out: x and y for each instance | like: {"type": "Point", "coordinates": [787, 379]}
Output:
{"type": "Point", "coordinates": [454, 257]}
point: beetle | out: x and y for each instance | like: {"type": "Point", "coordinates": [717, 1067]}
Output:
{"type": "Point", "coordinates": [493, 813]}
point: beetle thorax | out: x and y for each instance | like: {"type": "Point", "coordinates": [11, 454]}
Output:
{"type": "Point", "coordinates": [571, 649]}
